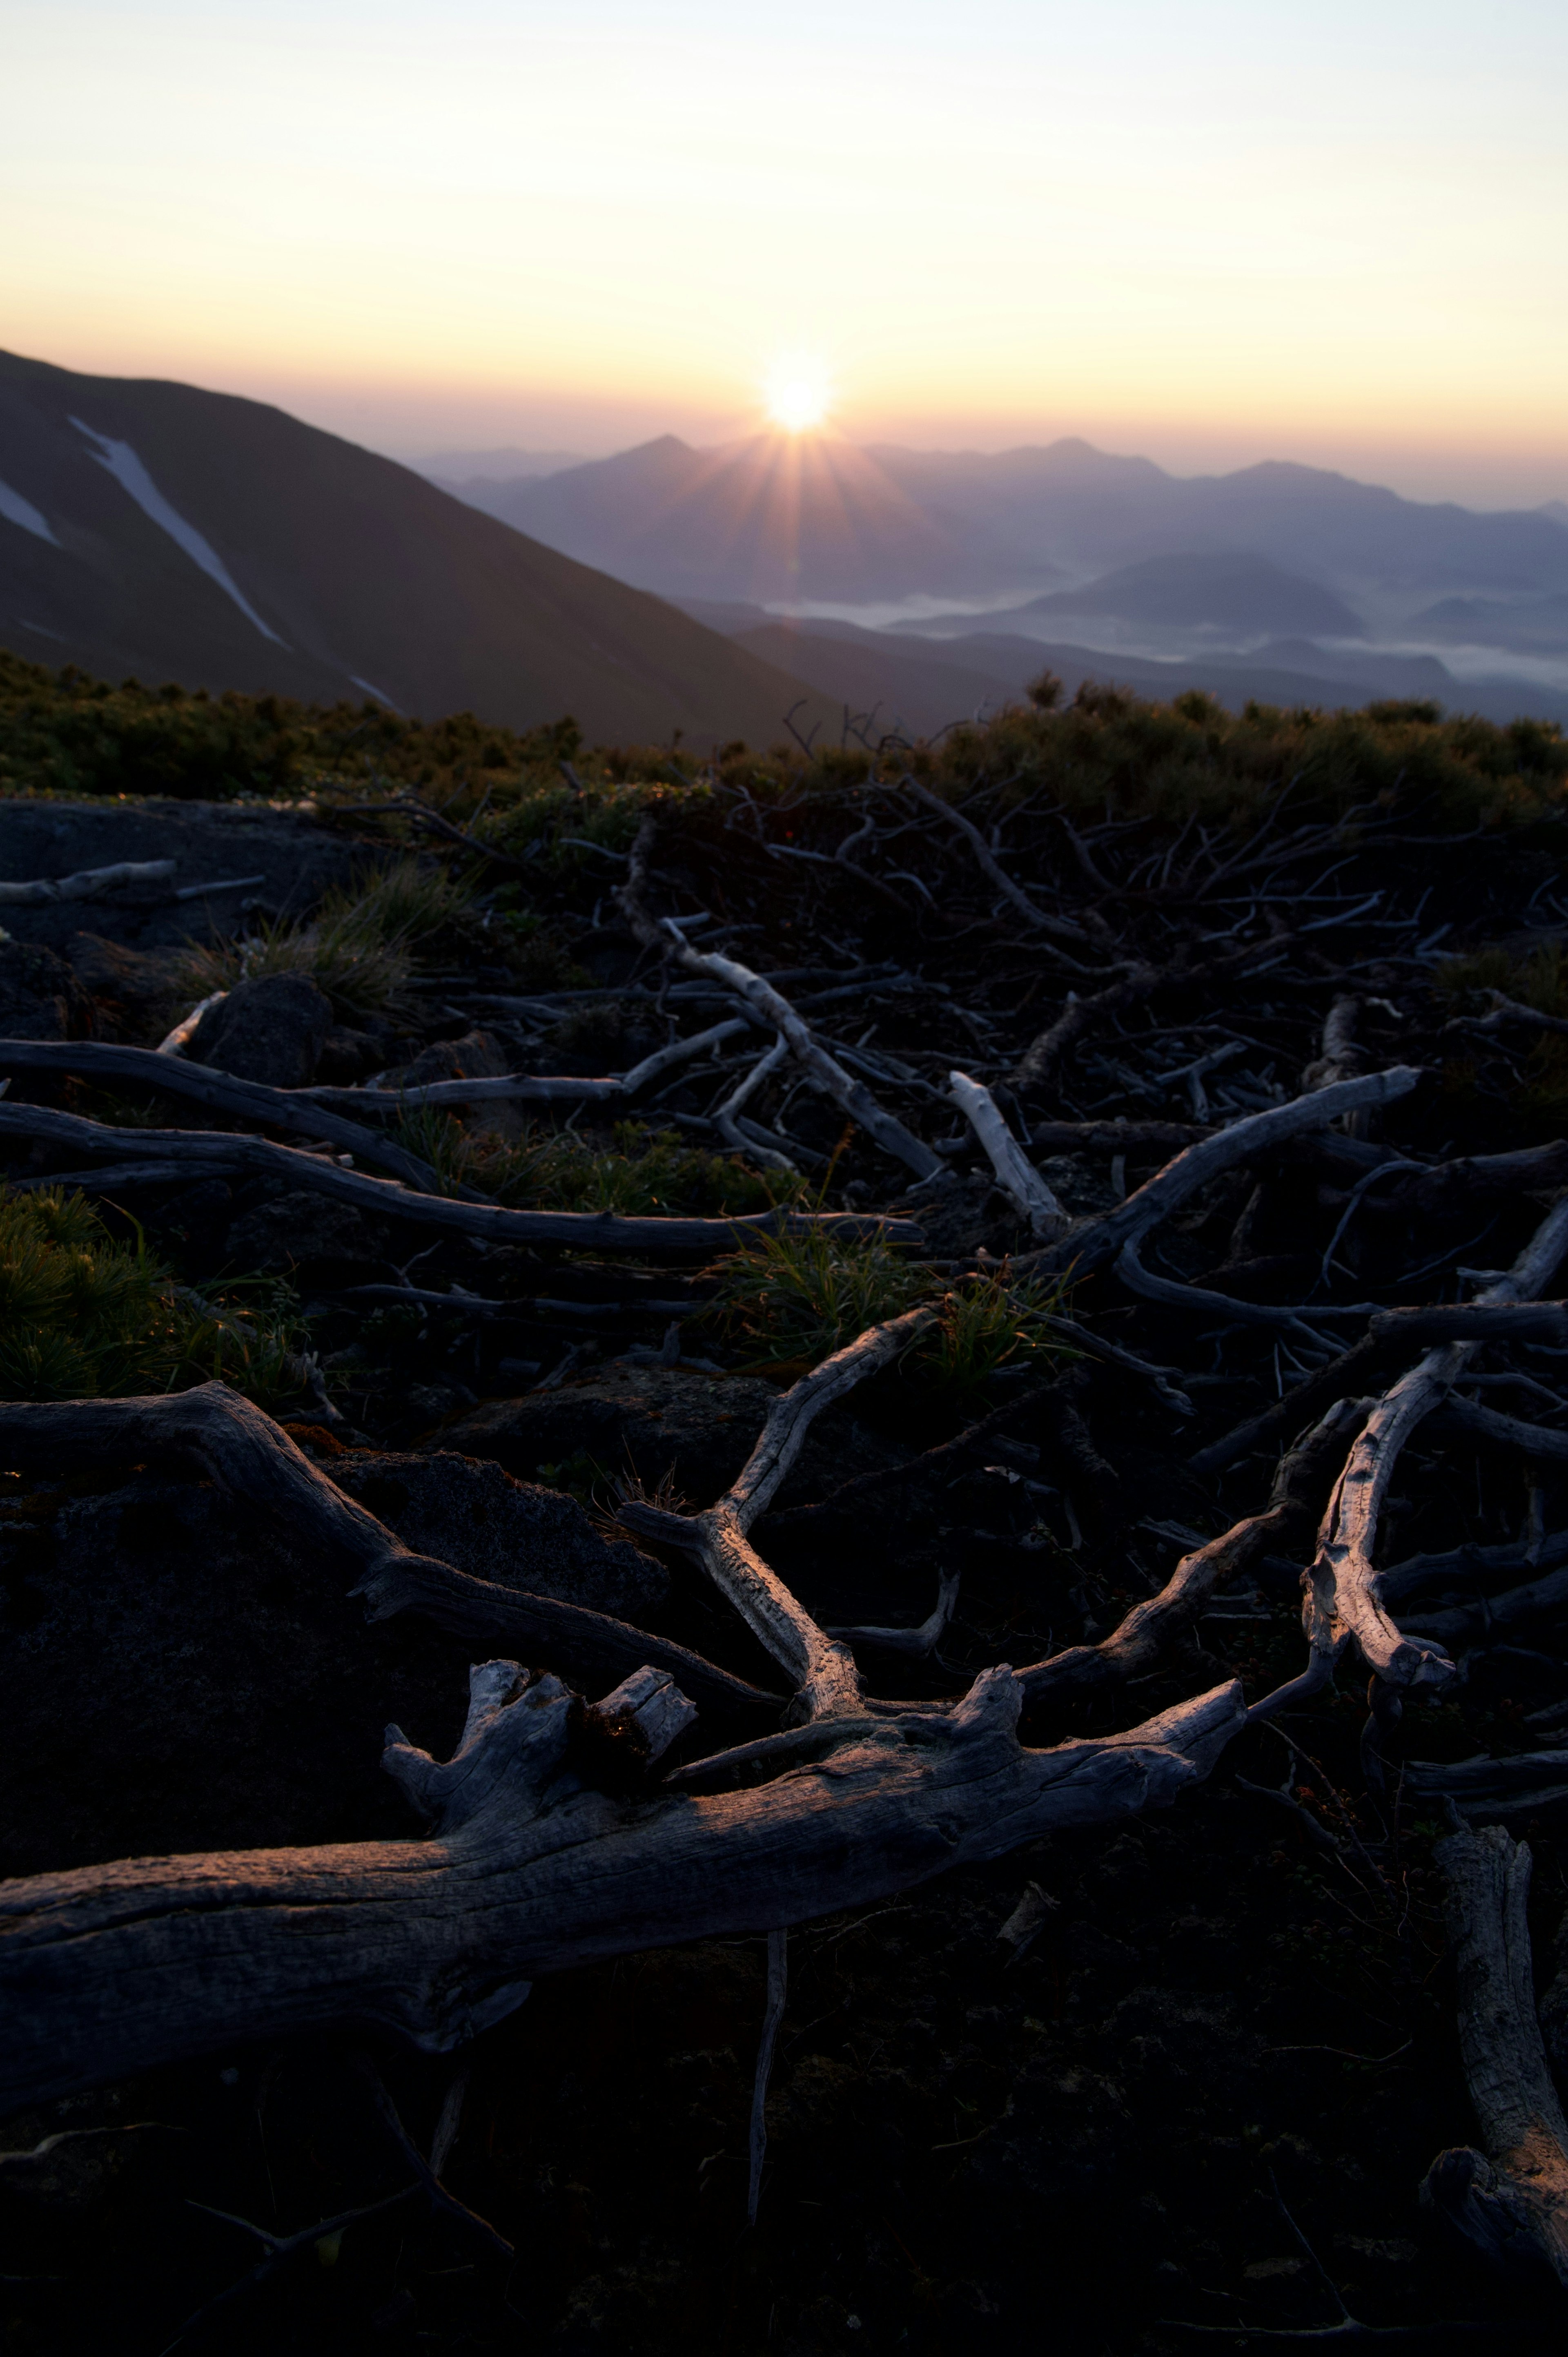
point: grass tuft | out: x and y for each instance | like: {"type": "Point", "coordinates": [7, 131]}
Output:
{"type": "Point", "coordinates": [795, 1299]}
{"type": "Point", "coordinates": [359, 947]}
{"type": "Point", "coordinates": [83, 1316]}
{"type": "Point", "coordinates": [644, 1171]}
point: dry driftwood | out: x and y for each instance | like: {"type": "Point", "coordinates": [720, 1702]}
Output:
{"type": "Point", "coordinates": [541, 1087]}
{"type": "Point", "coordinates": [821, 1669]}
{"type": "Point", "coordinates": [87, 884]}
{"type": "Point", "coordinates": [1512, 2198]}
{"type": "Point", "coordinates": [1091, 1242]}
{"type": "Point", "coordinates": [175, 1153]}
{"type": "Point", "coordinates": [94, 1060]}
{"type": "Point", "coordinates": [1145, 1636]}
{"type": "Point", "coordinates": [110, 1969]}
{"type": "Point", "coordinates": [1341, 1057]}
{"type": "Point", "coordinates": [755, 992]}
{"type": "Point", "coordinates": [1015, 1174]}
{"type": "Point", "coordinates": [1343, 1604]}
{"type": "Point", "coordinates": [1062, 928]}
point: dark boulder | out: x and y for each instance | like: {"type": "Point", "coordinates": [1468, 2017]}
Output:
{"type": "Point", "coordinates": [271, 1029]}
{"type": "Point", "coordinates": [658, 1421]}
{"type": "Point", "coordinates": [477, 1517]}
{"type": "Point", "coordinates": [40, 997]}
{"type": "Point", "coordinates": [133, 979]}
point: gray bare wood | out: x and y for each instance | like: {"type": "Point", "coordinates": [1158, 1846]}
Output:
{"type": "Point", "coordinates": [1510, 2198]}
{"type": "Point", "coordinates": [214, 1151]}
{"type": "Point", "coordinates": [108, 1970]}
{"type": "Point", "coordinates": [97, 1060]}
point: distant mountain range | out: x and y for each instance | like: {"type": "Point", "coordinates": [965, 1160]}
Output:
{"type": "Point", "coordinates": [815, 518]}
{"type": "Point", "coordinates": [152, 529]}
{"type": "Point", "coordinates": [1283, 581]}
{"type": "Point", "coordinates": [779, 517]}
{"type": "Point", "coordinates": [451, 468]}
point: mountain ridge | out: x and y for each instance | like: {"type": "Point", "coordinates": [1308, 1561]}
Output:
{"type": "Point", "coordinates": [220, 543]}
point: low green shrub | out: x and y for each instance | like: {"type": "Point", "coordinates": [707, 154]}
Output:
{"type": "Point", "coordinates": [643, 1171]}
{"type": "Point", "coordinates": [83, 1316]}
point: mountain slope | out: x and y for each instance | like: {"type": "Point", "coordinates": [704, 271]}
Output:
{"type": "Point", "coordinates": [1230, 591]}
{"type": "Point", "coordinates": [156, 529]}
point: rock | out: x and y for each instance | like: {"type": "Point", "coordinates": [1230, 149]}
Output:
{"type": "Point", "coordinates": [474, 1515]}
{"type": "Point", "coordinates": [134, 979]}
{"type": "Point", "coordinates": [653, 1421]}
{"type": "Point", "coordinates": [271, 1030]}
{"type": "Point", "coordinates": [963, 1213]}
{"type": "Point", "coordinates": [347, 1057]}
{"type": "Point", "coordinates": [40, 997]}
{"type": "Point", "coordinates": [302, 1230]}
{"type": "Point", "coordinates": [178, 1675]}
{"type": "Point", "coordinates": [476, 1056]}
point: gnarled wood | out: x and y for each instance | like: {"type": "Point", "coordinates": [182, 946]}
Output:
{"type": "Point", "coordinates": [821, 1668]}
{"type": "Point", "coordinates": [1343, 1604]}
{"type": "Point", "coordinates": [1512, 2200]}
{"type": "Point", "coordinates": [111, 1969]}
{"type": "Point", "coordinates": [212, 1431]}
{"type": "Point", "coordinates": [184, 1151]}
{"type": "Point", "coordinates": [97, 1060]}
{"type": "Point", "coordinates": [1015, 1174]}
{"type": "Point", "coordinates": [756, 992]}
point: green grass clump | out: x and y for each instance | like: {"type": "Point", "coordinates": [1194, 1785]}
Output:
{"type": "Point", "coordinates": [644, 1170]}
{"type": "Point", "coordinates": [83, 1316]}
{"type": "Point", "coordinates": [1538, 978]}
{"type": "Point", "coordinates": [795, 1299]}
{"type": "Point", "coordinates": [359, 948]}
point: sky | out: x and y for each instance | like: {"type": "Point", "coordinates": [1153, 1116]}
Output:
{"type": "Point", "coordinates": [1210, 230]}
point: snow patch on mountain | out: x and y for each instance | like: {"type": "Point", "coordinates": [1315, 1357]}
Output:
{"type": "Point", "coordinates": [16, 509]}
{"type": "Point", "coordinates": [121, 462]}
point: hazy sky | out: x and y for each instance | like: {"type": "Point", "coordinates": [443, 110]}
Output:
{"type": "Point", "coordinates": [1210, 230]}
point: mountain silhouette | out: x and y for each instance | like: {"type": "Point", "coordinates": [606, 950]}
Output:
{"type": "Point", "coordinates": [1232, 591]}
{"type": "Point", "coordinates": [787, 519]}
{"type": "Point", "coordinates": [778, 517]}
{"type": "Point", "coordinates": [156, 530]}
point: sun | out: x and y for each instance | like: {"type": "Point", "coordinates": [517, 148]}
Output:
{"type": "Point", "coordinates": [798, 392]}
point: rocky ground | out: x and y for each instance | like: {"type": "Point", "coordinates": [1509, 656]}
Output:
{"type": "Point", "coordinates": [1121, 2086]}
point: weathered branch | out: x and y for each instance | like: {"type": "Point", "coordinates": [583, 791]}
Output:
{"type": "Point", "coordinates": [1145, 1636]}
{"type": "Point", "coordinates": [755, 991]}
{"type": "Point", "coordinates": [94, 1060]}
{"type": "Point", "coordinates": [1015, 1174]}
{"type": "Point", "coordinates": [822, 1669]}
{"type": "Point", "coordinates": [87, 884]}
{"type": "Point", "coordinates": [1097, 1240]}
{"type": "Point", "coordinates": [1062, 928]}
{"type": "Point", "coordinates": [1512, 2200]}
{"type": "Point", "coordinates": [111, 1969]}
{"type": "Point", "coordinates": [214, 1432]}
{"type": "Point", "coordinates": [1343, 1603]}
{"type": "Point", "coordinates": [182, 1151]}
